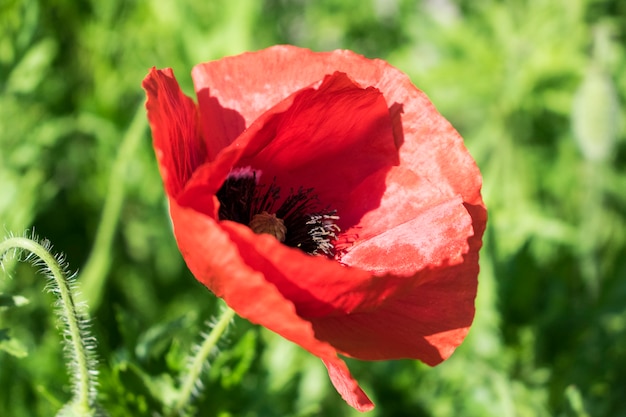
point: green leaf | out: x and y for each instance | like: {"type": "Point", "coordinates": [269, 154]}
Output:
{"type": "Point", "coordinates": [232, 364]}
{"type": "Point", "coordinates": [132, 391]}
{"type": "Point", "coordinates": [156, 340]}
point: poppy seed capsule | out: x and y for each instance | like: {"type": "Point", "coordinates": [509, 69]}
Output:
{"type": "Point", "coordinates": [270, 224]}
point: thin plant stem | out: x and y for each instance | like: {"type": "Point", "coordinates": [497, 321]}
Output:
{"type": "Point", "coordinates": [76, 344]}
{"type": "Point", "coordinates": [193, 372]}
{"type": "Point", "coordinates": [99, 262]}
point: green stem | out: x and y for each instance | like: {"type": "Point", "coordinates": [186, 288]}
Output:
{"type": "Point", "coordinates": [99, 262]}
{"type": "Point", "coordinates": [192, 374]}
{"type": "Point", "coordinates": [68, 310]}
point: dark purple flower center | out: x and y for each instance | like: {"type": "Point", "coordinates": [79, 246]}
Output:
{"type": "Point", "coordinates": [297, 221]}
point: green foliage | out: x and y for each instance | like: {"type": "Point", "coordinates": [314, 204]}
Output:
{"type": "Point", "coordinates": [536, 87]}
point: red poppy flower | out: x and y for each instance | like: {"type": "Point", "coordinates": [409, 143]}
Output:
{"type": "Point", "coordinates": [322, 196]}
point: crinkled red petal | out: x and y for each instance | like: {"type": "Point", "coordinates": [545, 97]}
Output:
{"type": "Point", "coordinates": [330, 139]}
{"type": "Point", "coordinates": [249, 84]}
{"type": "Point", "coordinates": [345, 302]}
{"type": "Point", "coordinates": [217, 261]}
{"type": "Point", "coordinates": [176, 135]}
{"type": "Point", "coordinates": [430, 312]}
{"type": "Point", "coordinates": [303, 141]}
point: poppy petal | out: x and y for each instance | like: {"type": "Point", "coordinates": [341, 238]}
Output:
{"type": "Point", "coordinates": [253, 82]}
{"type": "Point", "coordinates": [216, 261]}
{"type": "Point", "coordinates": [428, 145]}
{"type": "Point", "coordinates": [302, 142]}
{"type": "Point", "coordinates": [346, 386]}
{"type": "Point", "coordinates": [174, 122]}
{"type": "Point", "coordinates": [430, 313]}
{"type": "Point", "coordinates": [334, 297]}
{"type": "Point", "coordinates": [306, 146]}
{"type": "Point", "coordinates": [430, 238]}
{"type": "Point", "coordinates": [426, 319]}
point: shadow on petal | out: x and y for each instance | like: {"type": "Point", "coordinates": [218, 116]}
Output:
{"type": "Point", "coordinates": [220, 125]}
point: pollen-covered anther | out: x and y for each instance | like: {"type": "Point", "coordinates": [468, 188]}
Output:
{"type": "Point", "coordinates": [265, 222]}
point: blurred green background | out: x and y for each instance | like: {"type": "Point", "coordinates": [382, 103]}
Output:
{"type": "Point", "coordinates": [536, 88]}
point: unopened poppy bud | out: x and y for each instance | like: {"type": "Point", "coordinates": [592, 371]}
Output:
{"type": "Point", "coordinates": [270, 224]}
